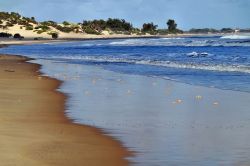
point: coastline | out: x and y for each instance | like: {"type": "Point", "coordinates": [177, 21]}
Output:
{"type": "Point", "coordinates": [152, 115]}
{"type": "Point", "coordinates": [193, 115]}
{"type": "Point", "coordinates": [37, 133]}
{"type": "Point", "coordinates": [30, 40]}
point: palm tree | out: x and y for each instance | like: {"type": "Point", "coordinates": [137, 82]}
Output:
{"type": "Point", "coordinates": [172, 26]}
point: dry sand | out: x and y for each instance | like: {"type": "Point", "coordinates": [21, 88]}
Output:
{"type": "Point", "coordinates": [34, 129]}
{"type": "Point", "coordinates": [30, 34]}
{"type": "Point", "coordinates": [72, 35]}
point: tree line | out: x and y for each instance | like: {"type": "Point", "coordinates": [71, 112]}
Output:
{"type": "Point", "coordinates": [113, 25]}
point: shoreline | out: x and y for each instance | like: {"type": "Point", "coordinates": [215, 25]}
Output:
{"type": "Point", "coordinates": [190, 109]}
{"type": "Point", "coordinates": [37, 134]}
{"type": "Point", "coordinates": [146, 107]}
{"type": "Point", "coordinates": [10, 41]}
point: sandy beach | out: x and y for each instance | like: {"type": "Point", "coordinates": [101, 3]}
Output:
{"type": "Point", "coordinates": [75, 37]}
{"type": "Point", "coordinates": [166, 116]}
{"type": "Point", "coordinates": [34, 129]}
{"type": "Point", "coordinates": [124, 83]}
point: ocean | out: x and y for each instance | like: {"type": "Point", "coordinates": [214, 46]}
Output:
{"type": "Point", "coordinates": [206, 61]}
{"type": "Point", "coordinates": [174, 101]}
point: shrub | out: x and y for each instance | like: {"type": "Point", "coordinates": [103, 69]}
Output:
{"type": "Point", "coordinates": [43, 27]}
{"type": "Point", "coordinates": [172, 26]}
{"type": "Point", "coordinates": [100, 25]}
{"type": "Point", "coordinates": [49, 23]}
{"type": "Point", "coordinates": [89, 30]}
{"type": "Point", "coordinates": [65, 23]}
{"type": "Point", "coordinates": [39, 31]}
{"type": "Point", "coordinates": [9, 24]}
{"type": "Point", "coordinates": [29, 28]}
{"type": "Point", "coordinates": [163, 31]}
{"type": "Point", "coordinates": [54, 35]}
{"type": "Point", "coordinates": [64, 29]}
{"type": "Point", "coordinates": [3, 34]}
{"type": "Point", "coordinates": [149, 27]}
{"type": "Point", "coordinates": [30, 20]}
{"type": "Point", "coordinates": [18, 36]}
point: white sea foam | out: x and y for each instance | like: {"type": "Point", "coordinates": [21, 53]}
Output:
{"type": "Point", "coordinates": [187, 42]}
{"type": "Point", "coordinates": [209, 67]}
{"type": "Point", "coordinates": [236, 37]}
{"type": "Point", "coordinates": [196, 54]}
{"type": "Point", "coordinates": [172, 38]}
{"type": "Point", "coordinates": [130, 42]}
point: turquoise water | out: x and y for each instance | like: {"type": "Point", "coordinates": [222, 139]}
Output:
{"type": "Point", "coordinates": [141, 92]}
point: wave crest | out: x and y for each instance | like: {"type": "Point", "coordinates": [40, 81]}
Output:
{"type": "Point", "coordinates": [236, 37]}
{"type": "Point", "coordinates": [209, 67]}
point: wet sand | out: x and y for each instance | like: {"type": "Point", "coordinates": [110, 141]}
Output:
{"type": "Point", "coordinates": [34, 129]}
{"type": "Point", "coordinates": [165, 122]}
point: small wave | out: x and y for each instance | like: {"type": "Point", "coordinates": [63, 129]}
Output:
{"type": "Point", "coordinates": [172, 38]}
{"type": "Point", "coordinates": [185, 42]}
{"type": "Point", "coordinates": [221, 68]}
{"type": "Point", "coordinates": [239, 41]}
{"type": "Point", "coordinates": [196, 54]}
{"type": "Point", "coordinates": [209, 67]}
{"type": "Point", "coordinates": [129, 42]}
{"type": "Point", "coordinates": [236, 37]}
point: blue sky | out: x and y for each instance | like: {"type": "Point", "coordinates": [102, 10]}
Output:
{"type": "Point", "coordinates": [187, 13]}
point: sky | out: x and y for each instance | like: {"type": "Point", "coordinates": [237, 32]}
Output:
{"type": "Point", "coordinates": [187, 13]}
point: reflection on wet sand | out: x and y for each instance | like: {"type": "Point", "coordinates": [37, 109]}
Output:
{"type": "Point", "coordinates": [165, 122]}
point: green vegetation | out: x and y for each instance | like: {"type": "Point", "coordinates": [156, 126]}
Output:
{"type": "Point", "coordinates": [226, 30]}
{"type": "Point", "coordinates": [18, 36]}
{"type": "Point", "coordinates": [172, 27]}
{"type": "Point", "coordinates": [162, 31]}
{"type": "Point", "coordinates": [7, 35]}
{"type": "Point", "coordinates": [41, 28]}
{"type": "Point", "coordinates": [204, 30]}
{"type": "Point", "coordinates": [67, 29]}
{"type": "Point", "coordinates": [150, 28]}
{"type": "Point", "coordinates": [9, 16]}
{"type": "Point", "coordinates": [119, 26]}
{"type": "Point", "coordinates": [89, 30]}
{"type": "Point", "coordinates": [97, 27]}
{"type": "Point", "coordinates": [66, 23]}
{"type": "Point", "coordinates": [15, 18]}
{"type": "Point", "coordinates": [29, 27]}
{"type": "Point", "coordinates": [54, 35]}
{"type": "Point", "coordinates": [112, 25]}
{"type": "Point", "coordinates": [48, 23]}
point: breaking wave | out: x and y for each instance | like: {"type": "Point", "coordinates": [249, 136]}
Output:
{"type": "Point", "coordinates": [209, 67]}
{"type": "Point", "coordinates": [225, 41]}
{"type": "Point", "coordinates": [197, 54]}
{"type": "Point", "coordinates": [236, 37]}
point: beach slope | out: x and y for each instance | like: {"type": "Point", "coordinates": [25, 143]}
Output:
{"type": "Point", "coordinates": [34, 129]}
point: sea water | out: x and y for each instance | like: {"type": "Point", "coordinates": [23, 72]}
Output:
{"type": "Point", "coordinates": [141, 92]}
{"type": "Point", "coordinates": [207, 61]}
